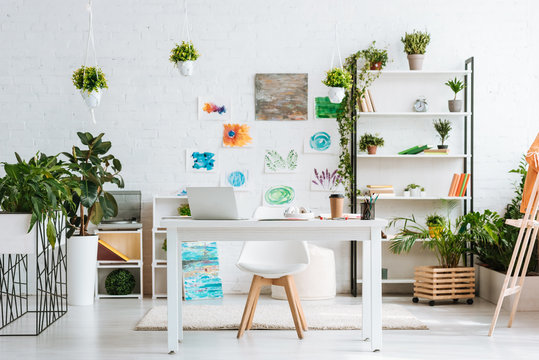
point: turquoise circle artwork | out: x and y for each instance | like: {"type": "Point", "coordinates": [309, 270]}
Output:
{"type": "Point", "coordinates": [279, 195]}
{"type": "Point", "coordinates": [236, 179]}
{"type": "Point", "coordinates": [320, 141]}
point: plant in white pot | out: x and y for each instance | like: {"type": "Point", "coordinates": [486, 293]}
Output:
{"type": "Point", "coordinates": [415, 46]}
{"type": "Point", "coordinates": [184, 56]}
{"type": "Point", "coordinates": [91, 168]}
{"type": "Point", "coordinates": [337, 80]}
{"type": "Point", "coordinates": [443, 128]}
{"type": "Point", "coordinates": [414, 189]}
{"type": "Point", "coordinates": [90, 81]}
{"type": "Point", "coordinates": [456, 86]}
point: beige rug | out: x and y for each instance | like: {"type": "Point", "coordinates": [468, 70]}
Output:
{"type": "Point", "coordinates": [277, 316]}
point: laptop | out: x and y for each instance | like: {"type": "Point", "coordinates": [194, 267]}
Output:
{"type": "Point", "coordinates": [213, 203]}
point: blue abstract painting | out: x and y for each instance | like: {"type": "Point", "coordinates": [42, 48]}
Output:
{"type": "Point", "coordinates": [200, 261]}
{"type": "Point", "coordinates": [237, 178]}
{"type": "Point", "coordinates": [201, 161]}
{"type": "Point", "coordinates": [320, 142]}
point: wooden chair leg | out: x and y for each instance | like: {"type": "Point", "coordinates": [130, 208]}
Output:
{"type": "Point", "coordinates": [255, 302]}
{"type": "Point", "coordinates": [248, 305]}
{"type": "Point", "coordinates": [292, 303]}
{"type": "Point", "coordinates": [298, 305]}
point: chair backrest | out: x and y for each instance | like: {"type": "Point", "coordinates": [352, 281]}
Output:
{"type": "Point", "coordinates": [274, 252]}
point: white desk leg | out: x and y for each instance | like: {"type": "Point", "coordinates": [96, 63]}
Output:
{"type": "Point", "coordinates": [366, 290]}
{"type": "Point", "coordinates": [376, 289]}
{"type": "Point", "coordinates": [174, 301]}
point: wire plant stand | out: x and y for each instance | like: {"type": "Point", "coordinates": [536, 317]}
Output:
{"type": "Point", "coordinates": [22, 314]}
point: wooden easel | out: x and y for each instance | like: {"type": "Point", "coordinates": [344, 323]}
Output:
{"type": "Point", "coordinates": [529, 227]}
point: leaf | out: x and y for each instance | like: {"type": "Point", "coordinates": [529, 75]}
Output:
{"type": "Point", "coordinates": [88, 195]}
{"type": "Point", "coordinates": [292, 160]}
{"type": "Point", "coordinates": [108, 205]}
{"type": "Point", "coordinates": [51, 233]}
{"type": "Point", "coordinates": [84, 137]}
{"type": "Point", "coordinates": [274, 161]}
{"type": "Point", "coordinates": [117, 164]}
{"type": "Point", "coordinates": [97, 215]}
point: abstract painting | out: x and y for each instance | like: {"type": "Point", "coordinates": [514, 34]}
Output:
{"type": "Point", "coordinates": [236, 135]}
{"type": "Point", "coordinates": [200, 262]}
{"type": "Point", "coordinates": [326, 180]}
{"type": "Point", "coordinates": [325, 109]}
{"type": "Point", "coordinates": [200, 161]}
{"type": "Point", "coordinates": [278, 195]}
{"type": "Point", "coordinates": [281, 96]}
{"type": "Point", "coordinates": [323, 141]}
{"type": "Point", "coordinates": [213, 108]}
{"type": "Point", "coordinates": [274, 162]}
{"type": "Point", "coordinates": [238, 179]}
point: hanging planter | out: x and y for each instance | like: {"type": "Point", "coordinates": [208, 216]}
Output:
{"type": "Point", "coordinates": [183, 56]}
{"type": "Point", "coordinates": [90, 80]}
{"type": "Point", "coordinates": [337, 80]}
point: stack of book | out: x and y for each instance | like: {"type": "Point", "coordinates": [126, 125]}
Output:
{"type": "Point", "coordinates": [366, 103]}
{"type": "Point", "coordinates": [436, 152]}
{"type": "Point", "coordinates": [382, 190]}
{"type": "Point", "coordinates": [415, 150]}
{"type": "Point", "coordinates": [105, 252]}
{"type": "Point", "coordinates": [459, 185]}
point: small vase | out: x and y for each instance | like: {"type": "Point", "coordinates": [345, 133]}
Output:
{"type": "Point", "coordinates": [336, 94]}
{"type": "Point", "coordinates": [92, 99]}
{"type": "Point", "coordinates": [455, 105]}
{"type": "Point", "coordinates": [415, 61]}
{"type": "Point", "coordinates": [406, 193]}
{"type": "Point", "coordinates": [186, 67]}
{"type": "Point", "coordinates": [376, 66]}
{"type": "Point", "coordinates": [415, 192]}
{"type": "Point", "coordinates": [440, 147]}
{"type": "Point", "coordinates": [371, 149]}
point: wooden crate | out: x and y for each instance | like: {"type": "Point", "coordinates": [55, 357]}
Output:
{"type": "Point", "coordinates": [437, 283]}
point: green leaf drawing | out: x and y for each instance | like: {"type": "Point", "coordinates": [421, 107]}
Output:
{"type": "Point", "coordinates": [292, 160]}
{"type": "Point", "coordinates": [274, 161]}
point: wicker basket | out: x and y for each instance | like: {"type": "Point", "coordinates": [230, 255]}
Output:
{"type": "Point", "coordinates": [437, 283]}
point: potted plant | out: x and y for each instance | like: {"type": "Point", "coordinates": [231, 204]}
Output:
{"type": "Point", "coordinates": [90, 80]}
{"type": "Point", "coordinates": [406, 192]}
{"type": "Point", "coordinates": [456, 86]}
{"type": "Point", "coordinates": [434, 223]}
{"type": "Point", "coordinates": [337, 80]}
{"type": "Point", "coordinates": [370, 143]}
{"type": "Point", "coordinates": [443, 128]}
{"type": "Point", "coordinates": [91, 169]}
{"type": "Point", "coordinates": [423, 192]}
{"type": "Point", "coordinates": [183, 56]}
{"type": "Point", "coordinates": [414, 189]}
{"type": "Point", "coordinates": [31, 192]}
{"type": "Point", "coordinates": [377, 58]}
{"type": "Point", "coordinates": [415, 45]}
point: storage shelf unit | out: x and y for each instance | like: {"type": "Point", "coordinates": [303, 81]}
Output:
{"type": "Point", "coordinates": [466, 157]}
{"type": "Point", "coordinates": [128, 242]}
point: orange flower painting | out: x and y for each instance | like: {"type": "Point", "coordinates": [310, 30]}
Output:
{"type": "Point", "coordinates": [236, 135]}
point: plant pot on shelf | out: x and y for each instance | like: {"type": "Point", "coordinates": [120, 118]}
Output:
{"type": "Point", "coordinates": [423, 194]}
{"type": "Point", "coordinates": [185, 67]}
{"type": "Point", "coordinates": [336, 94]}
{"type": "Point", "coordinates": [376, 66]}
{"type": "Point", "coordinates": [81, 265]}
{"type": "Point", "coordinates": [443, 147]}
{"type": "Point", "coordinates": [406, 193]}
{"type": "Point", "coordinates": [415, 61]}
{"type": "Point", "coordinates": [371, 149]}
{"type": "Point", "coordinates": [455, 105]}
{"type": "Point", "coordinates": [415, 192]}
{"type": "Point", "coordinates": [435, 231]}
{"type": "Point", "coordinates": [14, 237]}
{"type": "Point", "coordinates": [438, 283]}
{"type": "Point", "coordinates": [92, 99]}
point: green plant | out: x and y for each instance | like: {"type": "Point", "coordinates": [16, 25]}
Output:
{"type": "Point", "coordinates": [338, 77]}
{"type": "Point", "coordinates": [411, 186]}
{"type": "Point", "coordinates": [422, 189]}
{"type": "Point", "coordinates": [89, 78]}
{"type": "Point", "coordinates": [434, 220]}
{"type": "Point", "coordinates": [120, 282]}
{"type": "Point", "coordinates": [164, 247]}
{"type": "Point", "coordinates": [416, 42]}
{"type": "Point", "coordinates": [370, 140]}
{"type": "Point", "coordinates": [443, 128]}
{"type": "Point", "coordinates": [456, 86]}
{"type": "Point", "coordinates": [184, 52]}
{"type": "Point", "coordinates": [90, 171]}
{"type": "Point", "coordinates": [39, 186]}
{"type": "Point", "coordinates": [184, 210]}
{"type": "Point", "coordinates": [373, 55]}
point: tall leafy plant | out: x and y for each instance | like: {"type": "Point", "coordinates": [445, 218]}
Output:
{"type": "Point", "coordinates": [92, 168]}
{"type": "Point", "coordinates": [415, 42]}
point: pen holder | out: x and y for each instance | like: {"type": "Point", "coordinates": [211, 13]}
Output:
{"type": "Point", "coordinates": [367, 211]}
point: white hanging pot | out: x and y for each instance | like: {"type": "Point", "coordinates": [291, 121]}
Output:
{"type": "Point", "coordinates": [92, 99]}
{"type": "Point", "coordinates": [185, 67]}
{"type": "Point", "coordinates": [81, 265]}
{"type": "Point", "coordinates": [336, 94]}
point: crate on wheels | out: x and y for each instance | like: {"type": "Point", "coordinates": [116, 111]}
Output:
{"type": "Point", "coordinates": [438, 283]}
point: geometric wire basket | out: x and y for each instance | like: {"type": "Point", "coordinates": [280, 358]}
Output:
{"type": "Point", "coordinates": [21, 314]}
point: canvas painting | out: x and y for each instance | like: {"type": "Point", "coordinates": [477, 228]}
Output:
{"type": "Point", "coordinates": [325, 109]}
{"type": "Point", "coordinates": [326, 180]}
{"type": "Point", "coordinates": [278, 195]}
{"type": "Point", "coordinates": [238, 179]}
{"type": "Point", "coordinates": [275, 162]}
{"type": "Point", "coordinates": [214, 108]}
{"type": "Point", "coordinates": [200, 262]}
{"type": "Point", "coordinates": [200, 161]}
{"type": "Point", "coordinates": [281, 96]}
{"type": "Point", "coordinates": [323, 141]}
{"type": "Point", "coordinates": [237, 136]}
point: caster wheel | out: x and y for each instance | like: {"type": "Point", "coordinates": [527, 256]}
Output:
{"type": "Point", "coordinates": [455, 300]}
{"type": "Point", "coordinates": [431, 303]}
{"type": "Point", "coordinates": [415, 300]}
{"type": "Point", "coordinates": [469, 301]}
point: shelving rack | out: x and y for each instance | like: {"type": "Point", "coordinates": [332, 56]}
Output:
{"type": "Point", "coordinates": [467, 156]}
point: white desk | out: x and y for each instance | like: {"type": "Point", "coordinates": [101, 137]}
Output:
{"type": "Point", "coordinates": [369, 232]}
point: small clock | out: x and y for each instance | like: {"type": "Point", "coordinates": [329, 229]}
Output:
{"type": "Point", "coordinates": [421, 105]}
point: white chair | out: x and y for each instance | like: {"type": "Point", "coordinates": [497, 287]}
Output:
{"type": "Point", "coordinates": [273, 263]}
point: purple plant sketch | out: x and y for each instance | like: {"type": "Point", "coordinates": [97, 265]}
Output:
{"type": "Point", "coordinates": [325, 180]}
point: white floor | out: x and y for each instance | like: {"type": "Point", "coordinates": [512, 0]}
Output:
{"type": "Point", "coordinates": [105, 331]}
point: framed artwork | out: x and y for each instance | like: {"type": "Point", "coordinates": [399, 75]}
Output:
{"type": "Point", "coordinates": [281, 96]}
{"type": "Point", "coordinates": [200, 161]}
{"type": "Point", "coordinates": [214, 108]}
{"type": "Point", "coordinates": [325, 109]}
{"type": "Point", "coordinates": [278, 195]}
{"type": "Point", "coordinates": [237, 136]}
{"type": "Point", "coordinates": [326, 180]}
{"type": "Point", "coordinates": [238, 179]}
{"type": "Point", "coordinates": [275, 162]}
{"type": "Point", "coordinates": [322, 141]}
{"type": "Point", "coordinates": [200, 262]}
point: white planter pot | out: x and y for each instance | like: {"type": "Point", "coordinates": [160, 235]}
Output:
{"type": "Point", "coordinates": [335, 94]}
{"type": "Point", "coordinates": [186, 67]}
{"type": "Point", "coordinates": [14, 235]}
{"type": "Point", "coordinates": [490, 285]}
{"type": "Point", "coordinates": [81, 269]}
{"type": "Point", "coordinates": [406, 194]}
{"type": "Point", "coordinates": [415, 192]}
{"type": "Point", "coordinates": [423, 194]}
{"type": "Point", "coordinates": [92, 99]}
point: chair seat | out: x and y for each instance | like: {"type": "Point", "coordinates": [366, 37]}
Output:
{"type": "Point", "coordinates": [271, 271]}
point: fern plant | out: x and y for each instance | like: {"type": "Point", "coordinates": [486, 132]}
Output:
{"type": "Point", "coordinates": [89, 78]}
{"type": "Point", "coordinates": [443, 128]}
{"type": "Point", "coordinates": [416, 42]}
{"type": "Point", "coordinates": [456, 86]}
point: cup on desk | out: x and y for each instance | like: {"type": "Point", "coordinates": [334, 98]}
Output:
{"type": "Point", "coordinates": [336, 203]}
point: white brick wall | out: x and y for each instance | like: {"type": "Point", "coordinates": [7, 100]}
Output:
{"type": "Point", "coordinates": [149, 112]}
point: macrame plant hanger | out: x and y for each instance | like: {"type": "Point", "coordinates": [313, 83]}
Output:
{"type": "Point", "coordinates": [336, 49]}
{"type": "Point", "coordinates": [91, 42]}
{"type": "Point", "coordinates": [185, 67]}
{"type": "Point", "coordinates": [336, 94]}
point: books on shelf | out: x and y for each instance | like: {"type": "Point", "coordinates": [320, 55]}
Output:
{"type": "Point", "coordinates": [382, 190]}
{"type": "Point", "coordinates": [105, 252]}
{"type": "Point", "coordinates": [415, 149]}
{"type": "Point", "coordinates": [436, 152]}
{"type": "Point", "coordinates": [459, 185]}
{"type": "Point", "coordinates": [366, 103]}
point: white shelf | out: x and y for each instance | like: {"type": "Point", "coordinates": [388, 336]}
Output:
{"type": "Point", "coordinates": [119, 231]}
{"type": "Point", "coordinates": [393, 281]}
{"type": "Point", "coordinates": [160, 263]}
{"type": "Point", "coordinates": [422, 72]}
{"type": "Point", "coordinates": [120, 264]}
{"type": "Point", "coordinates": [134, 296]}
{"type": "Point", "coordinates": [171, 196]}
{"type": "Point", "coordinates": [399, 197]}
{"type": "Point", "coordinates": [413, 114]}
{"type": "Point", "coordinates": [420, 156]}
{"type": "Point", "coordinates": [159, 295]}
